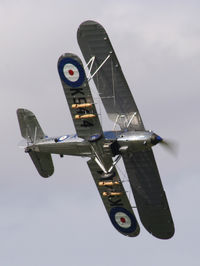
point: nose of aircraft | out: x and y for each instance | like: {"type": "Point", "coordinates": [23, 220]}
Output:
{"type": "Point", "coordinates": [155, 139]}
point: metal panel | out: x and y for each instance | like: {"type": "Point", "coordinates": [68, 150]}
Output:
{"type": "Point", "coordinates": [148, 192]}
{"type": "Point", "coordinates": [115, 204]}
{"type": "Point", "coordinates": [109, 80]}
{"type": "Point", "coordinates": [77, 92]}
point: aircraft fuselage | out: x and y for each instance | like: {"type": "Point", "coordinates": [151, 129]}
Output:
{"type": "Point", "coordinates": [73, 145]}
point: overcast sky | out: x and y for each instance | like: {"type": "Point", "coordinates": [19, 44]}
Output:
{"type": "Point", "coordinates": [61, 220]}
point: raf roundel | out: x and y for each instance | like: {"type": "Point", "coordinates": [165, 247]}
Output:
{"type": "Point", "coordinates": [71, 72]}
{"type": "Point", "coordinates": [62, 138]}
{"type": "Point", "coordinates": [123, 220]}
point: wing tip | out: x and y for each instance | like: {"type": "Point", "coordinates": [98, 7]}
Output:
{"type": "Point", "coordinates": [85, 24]}
{"type": "Point", "coordinates": [23, 110]}
{"type": "Point", "coordinates": [162, 234]}
{"type": "Point", "coordinates": [69, 55]}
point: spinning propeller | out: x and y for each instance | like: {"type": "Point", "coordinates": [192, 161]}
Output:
{"type": "Point", "coordinates": [169, 145]}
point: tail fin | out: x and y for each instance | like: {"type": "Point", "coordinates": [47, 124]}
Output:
{"type": "Point", "coordinates": [32, 132]}
{"type": "Point", "coordinates": [29, 126]}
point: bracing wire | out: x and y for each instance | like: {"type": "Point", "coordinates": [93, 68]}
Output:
{"type": "Point", "coordinates": [128, 190]}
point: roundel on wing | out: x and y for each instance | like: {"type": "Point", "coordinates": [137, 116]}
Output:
{"type": "Point", "coordinates": [71, 72]}
{"type": "Point", "coordinates": [123, 220]}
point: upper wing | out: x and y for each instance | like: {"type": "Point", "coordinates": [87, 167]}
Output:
{"type": "Point", "coordinates": [78, 96]}
{"type": "Point", "coordinates": [109, 80]}
{"type": "Point", "coordinates": [148, 192]}
{"type": "Point", "coordinates": [115, 201]}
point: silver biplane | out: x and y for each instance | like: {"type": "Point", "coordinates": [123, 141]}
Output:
{"type": "Point", "coordinates": [131, 142]}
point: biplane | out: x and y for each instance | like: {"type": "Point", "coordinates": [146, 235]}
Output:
{"type": "Point", "coordinates": [131, 141]}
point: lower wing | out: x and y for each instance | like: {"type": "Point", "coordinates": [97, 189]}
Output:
{"type": "Point", "coordinates": [79, 97]}
{"type": "Point", "coordinates": [115, 201]}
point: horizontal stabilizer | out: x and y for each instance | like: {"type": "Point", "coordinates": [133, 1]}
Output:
{"type": "Point", "coordinates": [43, 163]}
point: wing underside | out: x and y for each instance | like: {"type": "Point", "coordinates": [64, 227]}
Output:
{"type": "Point", "coordinates": [109, 79]}
{"type": "Point", "coordinates": [149, 194]}
{"type": "Point", "coordinates": [78, 95]}
{"type": "Point", "coordinates": [115, 201]}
